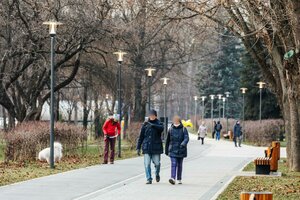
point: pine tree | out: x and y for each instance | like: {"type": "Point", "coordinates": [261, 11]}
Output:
{"type": "Point", "coordinates": [250, 75]}
{"type": "Point", "coordinates": [223, 76]}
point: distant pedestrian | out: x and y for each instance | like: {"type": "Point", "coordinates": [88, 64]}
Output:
{"type": "Point", "coordinates": [202, 132]}
{"type": "Point", "coordinates": [111, 130]}
{"type": "Point", "coordinates": [237, 134]}
{"type": "Point", "coordinates": [218, 129]}
{"type": "Point", "coordinates": [176, 148]}
{"type": "Point", "coordinates": [150, 141]}
{"type": "Point", "coordinates": [214, 130]}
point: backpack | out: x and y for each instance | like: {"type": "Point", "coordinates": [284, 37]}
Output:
{"type": "Point", "coordinates": [218, 127]}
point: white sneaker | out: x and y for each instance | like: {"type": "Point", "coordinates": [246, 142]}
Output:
{"type": "Point", "coordinates": [179, 182]}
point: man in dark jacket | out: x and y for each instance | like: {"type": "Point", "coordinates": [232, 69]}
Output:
{"type": "Point", "coordinates": [218, 128]}
{"type": "Point", "coordinates": [237, 134]}
{"type": "Point", "coordinates": [151, 144]}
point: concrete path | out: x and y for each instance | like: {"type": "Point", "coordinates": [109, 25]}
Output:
{"type": "Point", "coordinates": [207, 170]}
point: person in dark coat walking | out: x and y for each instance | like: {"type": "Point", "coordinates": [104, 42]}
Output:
{"type": "Point", "coordinates": [218, 129]}
{"type": "Point", "coordinates": [214, 131]}
{"type": "Point", "coordinates": [150, 142]}
{"type": "Point", "coordinates": [176, 148]}
{"type": "Point", "coordinates": [237, 134]}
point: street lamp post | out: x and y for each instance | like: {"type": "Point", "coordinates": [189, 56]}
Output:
{"type": "Point", "coordinates": [165, 82]}
{"type": "Point", "coordinates": [196, 99]}
{"type": "Point", "coordinates": [212, 97]}
{"type": "Point", "coordinates": [227, 94]}
{"type": "Point", "coordinates": [120, 55]}
{"type": "Point", "coordinates": [244, 92]}
{"type": "Point", "coordinates": [224, 101]}
{"type": "Point", "coordinates": [261, 86]}
{"type": "Point", "coordinates": [220, 98]}
{"type": "Point", "coordinates": [150, 71]}
{"type": "Point", "coordinates": [203, 101]}
{"type": "Point", "coordinates": [52, 31]}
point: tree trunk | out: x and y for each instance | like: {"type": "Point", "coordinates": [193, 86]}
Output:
{"type": "Point", "coordinates": [4, 118]}
{"type": "Point", "coordinates": [85, 107]}
{"type": "Point", "coordinates": [139, 103]}
{"type": "Point", "coordinates": [75, 113]}
{"type": "Point", "coordinates": [294, 151]}
{"type": "Point", "coordinates": [11, 122]}
{"type": "Point", "coordinates": [98, 131]}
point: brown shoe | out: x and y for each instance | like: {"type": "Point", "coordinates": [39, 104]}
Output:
{"type": "Point", "coordinates": [104, 163]}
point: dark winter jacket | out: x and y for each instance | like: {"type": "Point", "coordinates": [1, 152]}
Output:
{"type": "Point", "coordinates": [218, 127]}
{"type": "Point", "coordinates": [237, 131]}
{"type": "Point", "coordinates": [177, 140]}
{"type": "Point", "coordinates": [150, 137]}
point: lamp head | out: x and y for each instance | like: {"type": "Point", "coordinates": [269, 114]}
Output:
{"type": "Point", "coordinates": [220, 96]}
{"type": "Point", "coordinates": [52, 26]}
{"type": "Point", "coordinates": [165, 80]}
{"type": "Point", "coordinates": [120, 55]}
{"type": "Point", "coordinates": [107, 96]}
{"type": "Point", "coordinates": [196, 98]}
{"type": "Point", "coordinates": [227, 94]}
{"type": "Point", "coordinates": [224, 99]}
{"type": "Point", "coordinates": [150, 71]}
{"type": "Point", "coordinates": [212, 96]}
{"type": "Point", "coordinates": [203, 98]}
{"type": "Point", "coordinates": [244, 90]}
{"type": "Point", "coordinates": [261, 84]}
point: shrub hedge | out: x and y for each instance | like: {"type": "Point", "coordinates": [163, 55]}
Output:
{"type": "Point", "coordinates": [26, 140]}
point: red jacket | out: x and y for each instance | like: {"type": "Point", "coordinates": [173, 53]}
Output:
{"type": "Point", "coordinates": [110, 127]}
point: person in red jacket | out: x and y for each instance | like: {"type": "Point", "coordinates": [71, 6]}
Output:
{"type": "Point", "coordinates": [111, 130]}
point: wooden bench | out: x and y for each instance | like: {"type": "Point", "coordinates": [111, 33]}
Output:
{"type": "Point", "coordinates": [270, 162]}
{"type": "Point", "coordinates": [256, 196]}
{"type": "Point", "coordinates": [262, 165]}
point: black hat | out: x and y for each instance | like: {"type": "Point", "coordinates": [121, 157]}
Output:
{"type": "Point", "coordinates": [153, 112]}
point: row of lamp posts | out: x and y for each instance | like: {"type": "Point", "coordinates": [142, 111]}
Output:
{"type": "Point", "coordinates": [225, 104]}
{"type": "Point", "coordinates": [52, 31]}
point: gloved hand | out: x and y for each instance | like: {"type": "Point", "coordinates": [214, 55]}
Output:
{"type": "Point", "coordinates": [138, 151]}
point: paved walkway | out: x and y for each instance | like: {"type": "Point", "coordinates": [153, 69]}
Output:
{"type": "Point", "coordinates": [207, 170]}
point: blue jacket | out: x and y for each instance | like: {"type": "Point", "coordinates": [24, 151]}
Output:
{"type": "Point", "coordinates": [237, 131]}
{"type": "Point", "coordinates": [150, 137]}
{"type": "Point", "coordinates": [177, 140]}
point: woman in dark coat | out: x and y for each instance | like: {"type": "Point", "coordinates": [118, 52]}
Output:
{"type": "Point", "coordinates": [176, 148]}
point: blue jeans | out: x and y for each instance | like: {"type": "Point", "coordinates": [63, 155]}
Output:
{"type": "Point", "coordinates": [155, 158]}
{"type": "Point", "coordinates": [217, 135]}
{"type": "Point", "coordinates": [176, 168]}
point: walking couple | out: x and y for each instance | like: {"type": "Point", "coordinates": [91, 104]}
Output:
{"type": "Point", "coordinates": [150, 142]}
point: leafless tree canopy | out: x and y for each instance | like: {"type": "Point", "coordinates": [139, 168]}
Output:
{"type": "Point", "coordinates": [169, 35]}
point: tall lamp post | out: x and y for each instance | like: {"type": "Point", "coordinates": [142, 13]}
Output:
{"type": "Point", "coordinates": [196, 99]}
{"type": "Point", "coordinates": [52, 31]}
{"type": "Point", "coordinates": [224, 101]}
{"type": "Point", "coordinates": [120, 55]}
{"type": "Point", "coordinates": [244, 92]}
{"type": "Point", "coordinates": [227, 94]}
{"type": "Point", "coordinates": [261, 86]}
{"type": "Point", "coordinates": [150, 71]}
{"type": "Point", "coordinates": [165, 83]}
{"type": "Point", "coordinates": [203, 108]}
{"type": "Point", "coordinates": [220, 98]}
{"type": "Point", "coordinates": [212, 97]}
